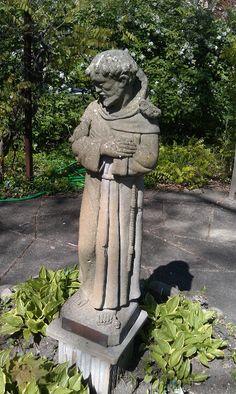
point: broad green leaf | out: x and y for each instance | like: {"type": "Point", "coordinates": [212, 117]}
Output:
{"type": "Point", "coordinates": [20, 307]}
{"type": "Point", "coordinates": [60, 373]}
{"type": "Point", "coordinates": [62, 390]}
{"type": "Point", "coordinates": [2, 381]}
{"type": "Point", "coordinates": [175, 358]}
{"type": "Point", "coordinates": [6, 329]}
{"type": "Point", "coordinates": [43, 273]}
{"type": "Point", "coordinates": [203, 359]}
{"type": "Point", "coordinates": [26, 334]}
{"type": "Point", "coordinates": [155, 384]}
{"type": "Point", "coordinates": [31, 388]}
{"type": "Point", "coordinates": [189, 351]}
{"type": "Point", "coordinates": [217, 353]}
{"type": "Point", "coordinates": [160, 335]}
{"type": "Point", "coordinates": [171, 328]}
{"type": "Point", "coordinates": [171, 374]}
{"type": "Point", "coordinates": [11, 320]}
{"type": "Point", "coordinates": [147, 378]}
{"type": "Point", "coordinates": [5, 358]}
{"type": "Point", "coordinates": [35, 326]}
{"type": "Point", "coordinates": [179, 341]}
{"type": "Point", "coordinates": [172, 304]}
{"type": "Point", "coordinates": [181, 370]}
{"type": "Point", "coordinates": [51, 308]}
{"type": "Point", "coordinates": [199, 377]}
{"type": "Point", "coordinates": [164, 346]}
{"type": "Point", "coordinates": [75, 382]}
{"type": "Point", "coordinates": [159, 360]}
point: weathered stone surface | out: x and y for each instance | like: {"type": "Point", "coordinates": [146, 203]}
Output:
{"type": "Point", "coordinates": [83, 321]}
{"type": "Point", "coordinates": [117, 143]}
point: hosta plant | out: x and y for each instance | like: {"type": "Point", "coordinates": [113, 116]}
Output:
{"type": "Point", "coordinates": [34, 375]}
{"type": "Point", "coordinates": [36, 302]}
{"type": "Point", "coordinates": [180, 331]}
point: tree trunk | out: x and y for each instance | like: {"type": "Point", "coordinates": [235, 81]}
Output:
{"type": "Point", "coordinates": [28, 111]}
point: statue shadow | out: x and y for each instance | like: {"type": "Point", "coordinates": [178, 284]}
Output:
{"type": "Point", "coordinates": [165, 280]}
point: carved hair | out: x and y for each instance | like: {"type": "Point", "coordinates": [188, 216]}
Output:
{"type": "Point", "coordinates": [113, 63]}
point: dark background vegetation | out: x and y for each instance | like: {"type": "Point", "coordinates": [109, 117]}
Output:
{"type": "Point", "coordinates": [187, 49]}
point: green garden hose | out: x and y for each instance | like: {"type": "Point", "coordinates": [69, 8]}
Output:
{"type": "Point", "coordinates": [76, 179]}
{"type": "Point", "coordinates": [39, 194]}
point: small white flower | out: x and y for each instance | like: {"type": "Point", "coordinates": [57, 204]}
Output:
{"type": "Point", "coordinates": [141, 57]}
{"type": "Point", "coordinates": [150, 43]}
{"type": "Point", "coordinates": [61, 74]}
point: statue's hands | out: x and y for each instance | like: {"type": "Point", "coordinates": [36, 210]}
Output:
{"type": "Point", "coordinates": [118, 148]}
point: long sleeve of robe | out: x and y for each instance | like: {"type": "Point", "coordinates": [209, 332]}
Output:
{"type": "Point", "coordinates": [111, 212]}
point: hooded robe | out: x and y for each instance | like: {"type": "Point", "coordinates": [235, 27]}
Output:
{"type": "Point", "coordinates": [110, 230]}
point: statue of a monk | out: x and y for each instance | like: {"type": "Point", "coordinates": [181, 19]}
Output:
{"type": "Point", "coordinates": [117, 143]}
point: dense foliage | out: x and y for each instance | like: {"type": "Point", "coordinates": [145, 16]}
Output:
{"type": "Point", "coordinates": [28, 374]}
{"type": "Point", "coordinates": [191, 165]}
{"type": "Point", "coordinates": [186, 49]}
{"type": "Point", "coordinates": [180, 331]}
{"type": "Point", "coordinates": [180, 46]}
{"type": "Point", "coordinates": [35, 303]}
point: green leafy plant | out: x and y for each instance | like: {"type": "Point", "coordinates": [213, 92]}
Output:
{"type": "Point", "coordinates": [34, 375]}
{"type": "Point", "coordinates": [180, 331]}
{"type": "Point", "coordinates": [191, 165]}
{"type": "Point", "coordinates": [55, 172]}
{"type": "Point", "coordinates": [35, 303]}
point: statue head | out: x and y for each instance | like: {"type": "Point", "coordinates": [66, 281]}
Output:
{"type": "Point", "coordinates": [113, 73]}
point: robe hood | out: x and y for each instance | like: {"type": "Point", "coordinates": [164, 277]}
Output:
{"type": "Point", "coordinates": [139, 116]}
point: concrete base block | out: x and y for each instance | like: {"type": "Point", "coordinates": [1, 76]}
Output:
{"type": "Point", "coordinates": [99, 365]}
{"type": "Point", "coordinates": [83, 322]}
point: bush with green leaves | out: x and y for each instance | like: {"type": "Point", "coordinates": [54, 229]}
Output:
{"type": "Point", "coordinates": [191, 165]}
{"type": "Point", "coordinates": [58, 114]}
{"type": "Point", "coordinates": [34, 375]}
{"type": "Point", "coordinates": [180, 331]}
{"type": "Point", "coordinates": [55, 172]}
{"type": "Point", "coordinates": [36, 302]}
{"type": "Point", "coordinates": [180, 46]}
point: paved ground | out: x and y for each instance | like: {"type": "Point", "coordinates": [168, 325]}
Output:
{"type": "Point", "coordinates": [189, 241]}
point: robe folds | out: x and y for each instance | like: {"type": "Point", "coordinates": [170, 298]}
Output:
{"type": "Point", "coordinates": [110, 230]}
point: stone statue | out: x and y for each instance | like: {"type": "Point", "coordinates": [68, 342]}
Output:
{"type": "Point", "coordinates": [117, 142]}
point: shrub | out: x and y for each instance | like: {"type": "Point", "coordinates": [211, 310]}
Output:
{"type": "Point", "coordinates": [191, 165]}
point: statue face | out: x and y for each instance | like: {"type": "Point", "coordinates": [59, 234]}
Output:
{"type": "Point", "coordinates": [110, 91]}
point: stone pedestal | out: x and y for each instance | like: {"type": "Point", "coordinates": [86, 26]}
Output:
{"type": "Point", "coordinates": [83, 321]}
{"type": "Point", "coordinates": [99, 364]}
